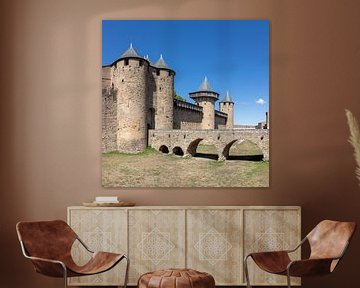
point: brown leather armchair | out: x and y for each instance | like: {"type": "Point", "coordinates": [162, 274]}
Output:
{"type": "Point", "coordinates": [48, 245]}
{"type": "Point", "coordinates": [328, 242]}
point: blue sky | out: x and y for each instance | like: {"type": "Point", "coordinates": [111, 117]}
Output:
{"type": "Point", "coordinates": [233, 54]}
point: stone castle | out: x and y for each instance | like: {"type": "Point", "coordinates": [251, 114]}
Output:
{"type": "Point", "coordinates": [138, 96]}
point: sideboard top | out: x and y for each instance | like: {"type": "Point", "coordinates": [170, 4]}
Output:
{"type": "Point", "coordinates": [193, 207]}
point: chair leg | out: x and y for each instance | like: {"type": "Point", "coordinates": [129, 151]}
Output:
{"type": "Point", "coordinates": [65, 276]}
{"type": "Point", "coordinates": [246, 272]}
{"type": "Point", "coordinates": [127, 271]}
{"type": "Point", "coordinates": [288, 278]}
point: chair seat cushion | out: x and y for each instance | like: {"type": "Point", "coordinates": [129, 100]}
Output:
{"type": "Point", "coordinates": [176, 278]}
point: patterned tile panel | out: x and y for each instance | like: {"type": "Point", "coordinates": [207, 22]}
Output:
{"type": "Point", "coordinates": [270, 230]}
{"type": "Point", "coordinates": [157, 241]}
{"type": "Point", "coordinates": [100, 230]}
{"type": "Point", "coordinates": [156, 246]}
{"type": "Point", "coordinates": [214, 241]}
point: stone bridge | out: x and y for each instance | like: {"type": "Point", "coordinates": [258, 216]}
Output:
{"type": "Point", "coordinates": [185, 142]}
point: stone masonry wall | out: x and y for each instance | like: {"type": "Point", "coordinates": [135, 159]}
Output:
{"type": "Point", "coordinates": [208, 121]}
{"type": "Point", "coordinates": [109, 120]}
{"type": "Point", "coordinates": [230, 120]}
{"type": "Point", "coordinates": [220, 122]}
{"type": "Point", "coordinates": [151, 97]}
{"type": "Point", "coordinates": [228, 108]}
{"type": "Point", "coordinates": [185, 118]}
{"type": "Point", "coordinates": [188, 140]}
{"type": "Point", "coordinates": [130, 78]}
{"type": "Point", "coordinates": [164, 112]}
{"type": "Point", "coordinates": [106, 77]}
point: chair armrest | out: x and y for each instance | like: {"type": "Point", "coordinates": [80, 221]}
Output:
{"type": "Point", "coordinates": [268, 253]}
{"type": "Point", "coordinates": [48, 267]}
{"type": "Point", "coordinates": [84, 245]}
{"type": "Point", "coordinates": [45, 260]}
{"type": "Point", "coordinates": [309, 267]}
{"type": "Point", "coordinates": [298, 246]}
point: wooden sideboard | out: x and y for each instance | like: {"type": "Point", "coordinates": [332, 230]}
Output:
{"type": "Point", "coordinates": [212, 239]}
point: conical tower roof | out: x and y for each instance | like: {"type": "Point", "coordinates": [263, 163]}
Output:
{"type": "Point", "coordinates": [161, 63]}
{"type": "Point", "coordinates": [227, 98]}
{"type": "Point", "coordinates": [204, 90]}
{"type": "Point", "coordinates": [130, 53]}
{"type": "Point", "coordinates": [205, 85]}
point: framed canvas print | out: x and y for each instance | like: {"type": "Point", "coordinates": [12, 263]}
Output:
{"type": "Point", "coordinates": [185, 103]}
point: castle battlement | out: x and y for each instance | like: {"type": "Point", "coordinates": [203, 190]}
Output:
{"type": "Point", "coordinates": [187, 105]}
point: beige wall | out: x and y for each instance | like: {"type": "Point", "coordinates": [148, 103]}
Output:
{"type": "Point", "coordinates": [50, 114]}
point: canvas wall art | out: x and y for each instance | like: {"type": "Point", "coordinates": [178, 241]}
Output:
{"type": "Point", "coordinates": [185, 103]}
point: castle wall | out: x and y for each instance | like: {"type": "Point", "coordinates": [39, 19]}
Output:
{"type": "Point", "coordinates": [106, 77]}
{"type": "Point", "coordinates": [187, 116]}
{"type": "Point", "coordinates": [109, 120]}
{"type": "Point", "coordinates": [164, 112]}
{"type": "Point", "coordinates": [220, 121]}
{"type": "Point", "coordinates": [130, 78]}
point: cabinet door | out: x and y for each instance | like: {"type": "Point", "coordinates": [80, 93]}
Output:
{"type": "Point", "coordinates": [101, 230]}
{"type": "Point", "coordinates": [214, 244]}
{"type": "Point", "coordinates": [156, 240]}
{"type": "Point", "coordinates": [270, 230]}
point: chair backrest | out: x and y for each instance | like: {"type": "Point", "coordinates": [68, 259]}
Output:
{"type": "Point", "coordinates": [46, 239]}
{"type": "Point", "coordinates": [329, 239]}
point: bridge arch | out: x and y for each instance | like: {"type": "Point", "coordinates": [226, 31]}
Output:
{"type": "Point", "coordinates": [177, 150]}
{"type": "Point", "coordinates": [225, 152]}
{"type": "Point", "coordinates": [191, 149]}
{"type": "Point", "coordinates": [164, 149]}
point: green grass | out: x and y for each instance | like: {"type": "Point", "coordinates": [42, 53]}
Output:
{"type": "Point", "coordinates": [147, 151]}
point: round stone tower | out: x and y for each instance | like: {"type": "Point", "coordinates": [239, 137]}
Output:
{"type": "Point", "coordinates": [130, 80]}
{"type": "Point", "coordinates": [227, 106]}
{"type": "Point", "coordinates": [206, 98]}
{"type": "Point", "coordinates": [164, 79]}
